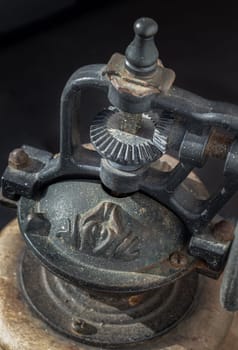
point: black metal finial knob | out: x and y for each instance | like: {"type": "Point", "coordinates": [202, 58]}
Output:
{"type": "Point", "coordinates": [142, 53]}
{"type": "Point", "coordinates": [145, 27]}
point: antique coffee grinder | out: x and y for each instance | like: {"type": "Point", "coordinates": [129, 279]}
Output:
{"type": "Point", "coordinates": [124, 245]}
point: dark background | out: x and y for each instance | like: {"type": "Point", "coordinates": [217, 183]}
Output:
{"type": "Point", "coordinates": [199, 42]}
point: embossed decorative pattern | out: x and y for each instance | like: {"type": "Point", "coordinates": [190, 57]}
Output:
{"type": "Point", "coordinates": [104, 232]}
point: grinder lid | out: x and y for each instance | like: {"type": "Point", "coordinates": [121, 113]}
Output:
{"type": "Point", "coordinates": [89, 237]}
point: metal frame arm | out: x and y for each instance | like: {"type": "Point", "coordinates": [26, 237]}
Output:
{"type": "Point", "coordinates": [199, 109]}
{"type": "Point", "coordinates": [84, 78]}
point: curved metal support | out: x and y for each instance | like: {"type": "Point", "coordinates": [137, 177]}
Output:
{"type": "Point", "coordinates": [201, 113]}
{"type": "Point", "coordinates": [86, 77]}
{"type": "Point", "coordinates": [199, 109]}
{"type": "Point", "coordinates": [195, 213]}
{"type": "Point", "coordinates": [73, 159]}
{"type": "Point", "coordinates": [165, 188]}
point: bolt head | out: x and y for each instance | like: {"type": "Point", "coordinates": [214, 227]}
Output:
{"type": "Point", "coordinates": [178, 260]}
{"type": "Point", "coordinates": [18, 158]}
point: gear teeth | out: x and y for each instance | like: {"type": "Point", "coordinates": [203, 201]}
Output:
{"type": "Point", "coordinates": [115, 148]}
{"type": "Point", "coordinates": [121, 149]}
{"type": "Point", "coordinates": [100, 140]}
{"type": "Point", "coordinates": [121, 153]}
{"type": "Point", "coordinates": [163, 126]}
{"type": "Point", "coordinates": [135, 155]}
{"type": "Point", "coordinates": [104, 145]}
{"type": "Point", "coordinates": [128, 154]}
{"type": "Point", "coordinates": [109, 147]}
{"type": "Point", "coordinates": [97, 128]}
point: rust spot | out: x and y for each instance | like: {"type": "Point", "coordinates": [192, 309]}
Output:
{"type": "Point", "coordinates": [224, 231]}
{"type": "Point", "coordinates": [18, 159]}
{"type": "Point", "coordinates": [132, 87]}
{"type": "Point", "coordinates": [136, 299]}
{"type": "Point", "coordinates": [127, 82]}
{"type": "Point", "coordinates": [218, 144]}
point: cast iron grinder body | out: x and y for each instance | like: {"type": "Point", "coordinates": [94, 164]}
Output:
{"type": "Point", "coordinates": [120, 236]}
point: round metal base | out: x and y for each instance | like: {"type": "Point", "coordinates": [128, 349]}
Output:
{"type": "Point", "coordinates": [207, 327]}
{"type": "Point", "coordinates": [109, 320]}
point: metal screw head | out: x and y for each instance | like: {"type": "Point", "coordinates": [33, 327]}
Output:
{"type": "Point", "coordinates": [178, 260]}
{"type": "Point", "coordinates": [135, 300]}
{"type": "Point", "coordinates": [18, 159]}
